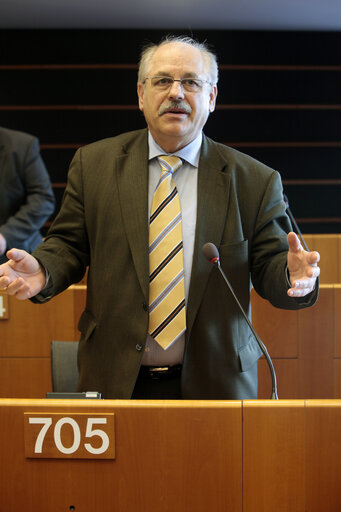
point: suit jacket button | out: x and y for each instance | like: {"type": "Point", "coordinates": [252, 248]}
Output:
{"type": "Point", "coordinates": [145, 306]}
{"type": "Point", "coordinates": [139, 347]}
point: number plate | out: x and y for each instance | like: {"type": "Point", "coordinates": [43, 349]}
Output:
{"type": "Point", "coordinates": [3, 306]}
{"type": "Point", "coordinates": [69, 436]}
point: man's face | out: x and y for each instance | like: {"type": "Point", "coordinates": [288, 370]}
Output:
{"type": "Point", "coordinates": [175, 116]}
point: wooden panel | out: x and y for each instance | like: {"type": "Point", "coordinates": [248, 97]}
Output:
{"type": "Point", "coordinates": [287, 378]}
{"type": "Point", "coordinates": [269, 323]}
{"type": "Point", "coordinates": [246, 456]}
{"type": "Point", "coordinates": [25, 338]}
{"type": "Point", "coordinates": [31, 327]}
{"type": "Point", "coordinates": [323, 456]}
{"type": "Point", "coordinates": [310, 373]}
{"type": "Point", "coordinates": [329, 248]}
{"type": "Point", "coordinates": [79, 301]}
{"type": "Point", "coordinates": [339, 253]}
{"type": "Point", "coordinates": [316, 347]}
{"type": "Point", "coordinates": [337, 378]}
{"type": "Point", "coordinates": [273, 456]}
{"type": "Point", "coordinates": [337, 321]}
{"type": "Point", "coordinates": [25, 377]}
{"type": "Point", "coordinates": [169, 456]}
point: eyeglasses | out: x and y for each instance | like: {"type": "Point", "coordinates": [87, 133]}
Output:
{"type": "Point", "coordinates": [163, 83]}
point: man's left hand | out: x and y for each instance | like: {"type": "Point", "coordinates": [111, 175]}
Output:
{"type": "Point", "coordinates": [302, 266]}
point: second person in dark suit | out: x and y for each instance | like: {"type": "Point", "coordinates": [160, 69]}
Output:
{"type": "Point", "coordinates": [26, 195]}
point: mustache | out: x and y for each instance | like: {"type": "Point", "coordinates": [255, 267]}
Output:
{"type": "Point", "coordinates": [175, 105]}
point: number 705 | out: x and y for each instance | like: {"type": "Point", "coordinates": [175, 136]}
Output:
{"type": "Point", "coordinates": [69, 435]}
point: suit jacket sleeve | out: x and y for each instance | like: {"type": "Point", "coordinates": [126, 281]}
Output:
{"type": "Point", "coordinates": [65, 252]}
{"type": "Point", "coordinates": [269, 250]}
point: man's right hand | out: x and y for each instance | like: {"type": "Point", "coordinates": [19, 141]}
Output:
{"type": "Point", "coordinates": [22, 275]}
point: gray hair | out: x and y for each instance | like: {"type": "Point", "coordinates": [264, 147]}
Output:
{"type": "Point", "coordinates": [149, 50]}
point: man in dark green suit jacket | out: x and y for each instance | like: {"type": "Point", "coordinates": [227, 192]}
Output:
{"type": "Point", "coordinates": [103, 225]}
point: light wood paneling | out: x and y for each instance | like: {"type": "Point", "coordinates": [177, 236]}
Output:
{"type": "Point", "coordinates": [25, 377]}
{"type": "Point", "coordinates": [323, 456]}
{"type": "Point", "coordinates": [273, 456]}
{"type": "Point", "coordinates": [31, 327]}
{"type": "Point", "coordinates": [316, 349]}
{"type": "Point", "coordinates": [278, 328]}
{"type": "Point", "coordinates": [79, 301]}
{"type": "Point", "coordinates": [170, 456]}
{"type": "Point", "coordinates": [337, 378]}
{"type": "Point", "coordinates": [329, 247]}
{"type": "Point", "coordinates": [337, 321]}
{"type": "Point", "coordinates": [250, 456]}
{"type": "Point", "coordinates": [312, 339]}
{"type": "Point", "coordinates": [25, 338]}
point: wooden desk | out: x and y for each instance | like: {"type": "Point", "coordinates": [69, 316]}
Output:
{"type": "Point", "coordinates": [182, 456]}
{"type": "Point", "coordinates": [292, 456]}
{"type": "Point", "coordinates": [170, 456]}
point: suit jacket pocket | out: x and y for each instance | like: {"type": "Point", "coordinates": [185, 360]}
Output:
{"type": "Point", "coordinates": [235, 263]}
{"type": "Point", "coordinates": [86, 325]}
{"type": "Point", "coordinates": [249, 354]}
{"type": "Point", "coordinates": [234, 255]}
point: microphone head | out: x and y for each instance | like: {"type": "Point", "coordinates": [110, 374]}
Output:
{"type": "Point", "coordinates": [210, 252]}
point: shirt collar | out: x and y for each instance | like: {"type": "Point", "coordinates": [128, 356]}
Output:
{"type": "Point", "coordinates": [190, 153]}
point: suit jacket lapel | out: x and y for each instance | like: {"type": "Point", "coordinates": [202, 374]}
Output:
{"type": "Point", "coordinates": [213, 195]}
{"type": "Point", "coordinates": [132, 172]}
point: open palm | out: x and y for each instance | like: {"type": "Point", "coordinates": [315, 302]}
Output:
{"type": "Point", "coordinates": [302, 266]}
{"type": "Point", "coordinates": [22, 275]}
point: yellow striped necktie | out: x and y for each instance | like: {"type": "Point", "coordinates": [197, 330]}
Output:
{"type": "Point", "coordinates": [167, 315]}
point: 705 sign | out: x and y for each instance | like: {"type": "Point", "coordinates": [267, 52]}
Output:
{"type": "Point", "coordinates": [69, 436]}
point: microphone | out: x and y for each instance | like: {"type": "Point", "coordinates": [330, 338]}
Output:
{"type": "Point", "coordinates": [212, 255]}
{"type": "Point", "coordinates": [294, 223]}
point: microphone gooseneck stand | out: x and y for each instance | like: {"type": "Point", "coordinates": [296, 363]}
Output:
{"type": "Point", "coordinates": [212, 255]}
